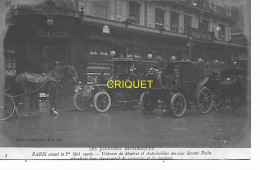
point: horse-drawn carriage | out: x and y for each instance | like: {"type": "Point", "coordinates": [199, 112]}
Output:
{"type": "Point", "coordinates": [181, 85]}
{"type": "Point", "coordinates": [32, 84]}
{"type": "Point", "coordinates": [103, 93]}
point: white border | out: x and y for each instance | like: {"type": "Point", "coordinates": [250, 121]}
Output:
{"type": "Point", "coordinates": [252, 164]}
{"type": "Point", "coordinates": [123, 153]}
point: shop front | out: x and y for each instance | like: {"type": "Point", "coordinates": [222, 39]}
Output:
{"type": "Point", "coordinates": [39, 38]}
{"type": "Point", "coordinates": [41, 35]}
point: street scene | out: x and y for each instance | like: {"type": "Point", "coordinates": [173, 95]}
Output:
{"type": "Point", "coordinates": [125, 73]}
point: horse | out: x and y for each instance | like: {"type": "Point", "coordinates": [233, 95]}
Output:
{"type": "Point", "coordinates": [50, 82]}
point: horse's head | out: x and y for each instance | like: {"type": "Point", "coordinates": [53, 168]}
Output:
{"type": "Point", "coordinates": [72, 73]}
{"type": "Point", "coordinates": [65, 73]}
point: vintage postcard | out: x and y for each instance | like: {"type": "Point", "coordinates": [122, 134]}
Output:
{"type": "Point", "coordinates": [125, 79]}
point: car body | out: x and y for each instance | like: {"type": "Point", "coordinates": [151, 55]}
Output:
{"type": "Point", "coordinates": [98, 92]}
{"type": "Point", "coordinates": [182, 84]}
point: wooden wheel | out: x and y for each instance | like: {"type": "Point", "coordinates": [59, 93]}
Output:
{"type": "Point", "coordinates": [204, 100]}
{"type": "Point", "coordinates": [102, 101]}
{"type": "Point", "coordinates": [146, 105]}
{"type": "Point", "coordinates": [178, 104]}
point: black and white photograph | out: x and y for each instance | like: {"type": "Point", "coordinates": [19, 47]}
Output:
{"type": "Point", "coordinates": [125, 79]}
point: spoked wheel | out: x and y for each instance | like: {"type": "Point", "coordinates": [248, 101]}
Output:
{"type": "Point", "coordinates": [178, 104]}
{"type": "Point", "coordinates": [204, 100]}
{"type": "Point", "coordinates": [7, 106]}
{"type": "Point", "coordinates": [102, 101]}
{"type": "Point", "coordinates": [146, 105]}
{"type": "Point", "coordinates": [81, 103]}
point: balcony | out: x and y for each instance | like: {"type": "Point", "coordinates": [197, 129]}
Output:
{"type": "Point", "coordinates": [207, 6]}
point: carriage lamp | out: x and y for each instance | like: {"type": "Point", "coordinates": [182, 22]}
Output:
{"type": "Point", "coordinates": [149, 56]}
{"type": "Point", "coordinates": [50, 21]}
{"type": "Point", "coordinates": [112, 53]}
{"type": "Point", "coordinates": [173, 58]}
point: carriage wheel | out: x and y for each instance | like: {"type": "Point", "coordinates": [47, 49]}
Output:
{"type": "Point", "coordinates": [204, 100]}
{"type": "Point", "coordinates": [146, 104]}
{"type": "Point", "coordinates": [80, 102]}
{"type": "Point", "coordinates": [7, 106]}
{"type": "Point", "coordinates": [102, 101]}
{"type": "Point", "coordinates": [178, 104]}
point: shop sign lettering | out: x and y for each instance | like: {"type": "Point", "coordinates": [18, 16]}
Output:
{"type": "Point", "coordinates": [200, 35]}
{"type": "Point", "coordinates": [118, 40]}
{"type": "Point", "coordinates": [51, 34]}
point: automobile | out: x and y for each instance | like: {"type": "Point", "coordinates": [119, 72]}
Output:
{"type": "Point", "coordinates": [182, 84]}
{"type": "Point", "coordinates": [231, 89]}
{"type": "Point", "coordinates": [101, 93]}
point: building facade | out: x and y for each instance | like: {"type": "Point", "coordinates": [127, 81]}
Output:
{"type": "Point", "coordinates": [88, 33]}
{"type": "Point", "coordinates": [185, 29]}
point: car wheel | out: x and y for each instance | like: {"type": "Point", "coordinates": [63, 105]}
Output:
{"type": "Point", "coordinates": [80, 102]}
{"type": "Point", "coordinates": [204, 100]}
{"type": "Point", "coordinates": [146, 103]}
{"type": "Point", "coordinates": [102, 101]}
{"type": "Point", "coordinates": [178, 104]}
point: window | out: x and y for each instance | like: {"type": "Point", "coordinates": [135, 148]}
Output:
{"type": "Point", "coordinates": [221, 32]}
{"type": "Point", "coordinates": [174, 21]}
{"type": "Point", "coordinates": [134, 12]}
{"type": "Point", "coordinates": [187, 23]}
{"type": "Point", "coordinates": [159, 18]}
{"type": "Point", "coordinates": [204, 25]}
{"type": "Point", "coordinates": [188, 2]}
{"type": "Point", "coordinates": [100, 8]}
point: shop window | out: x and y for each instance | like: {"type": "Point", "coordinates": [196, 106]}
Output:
{"type": "Point", "coordinates": [174, 21]}
{"type": "Point", "coordinates": [134, 12]}
{"type": "Point", "coordinates": [187, 23]}
{"type": "Point", "coordinates": [159, 18]}
{"type": "Point", "coordinates": [100, 8]}
{"type": "Point", "coordinates": [221, 32]}
{"type": "Point", "coordinates": [99, 49]}
{"type": "Point", "coordinates": [134, 52]}
{"type": "Point", "coordinates": [204, 25]}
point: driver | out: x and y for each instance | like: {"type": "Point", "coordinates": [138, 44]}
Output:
{"type": "Point", "coordinates": [161, 65]}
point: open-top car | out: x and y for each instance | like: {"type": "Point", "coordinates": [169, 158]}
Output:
{"type": "Point", "coordinates": [115, 90]}
{"type": "Point", "coordinates": [177, 87]}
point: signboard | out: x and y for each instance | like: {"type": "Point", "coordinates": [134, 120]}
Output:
{"type": "Point", "coordinates": [51, 34]}
{"type": "Point", "coordinates": [106, 29]}
{"type": "Point", "coordinates": [200, 35]}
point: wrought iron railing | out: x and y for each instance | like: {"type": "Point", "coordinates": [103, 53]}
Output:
{"type": "Point", "coordinates": [208, 5]}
